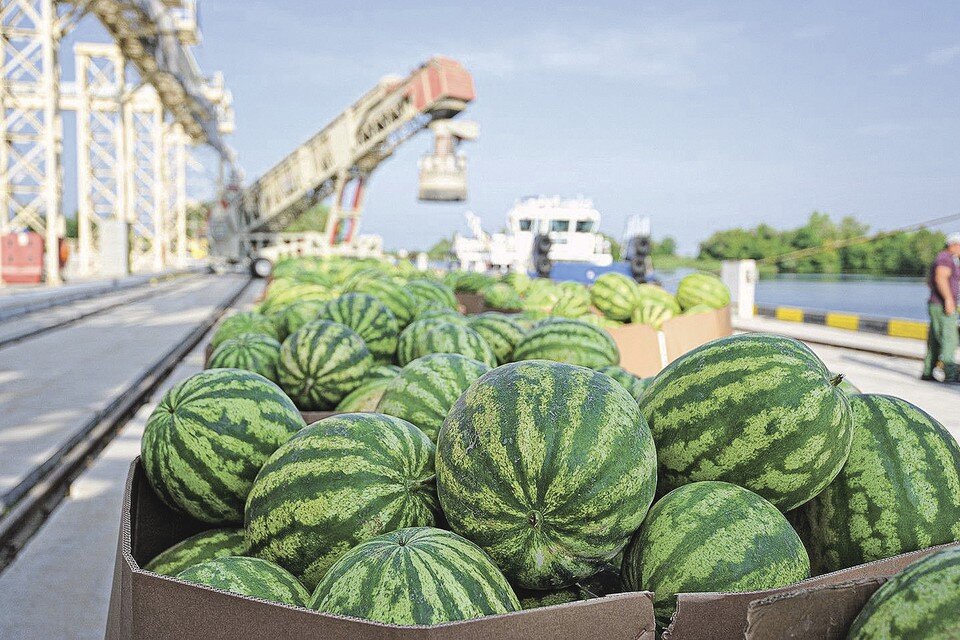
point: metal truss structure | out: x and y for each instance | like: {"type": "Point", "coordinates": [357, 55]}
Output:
{"type": "Point", "coordinates": [131, 156]}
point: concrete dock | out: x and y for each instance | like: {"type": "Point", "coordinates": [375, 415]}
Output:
{"type": "Point", "coordinates": [59, 586]}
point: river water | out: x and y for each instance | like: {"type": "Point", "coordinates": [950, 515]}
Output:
{"type": "Point", "coordinates": [879, 297]}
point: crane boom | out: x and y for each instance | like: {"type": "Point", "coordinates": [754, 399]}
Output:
{"type": "Point", "coordinates": [345, 152]}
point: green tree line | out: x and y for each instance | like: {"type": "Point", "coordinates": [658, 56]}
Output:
{"type": "Point", "coordinates": [903, 254]}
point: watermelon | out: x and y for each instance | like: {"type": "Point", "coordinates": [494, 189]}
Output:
{"type": "Point", "coordinates": [651, 312]}
{"type": "Point", "coordinates": [243, 322]}
{"type": "Point", "coordinates": [427, 387]}
{"type": "Point", "coordinates": [412, 337]}
{"type": "Point", "coordinates": [659, 294]}
{"type": "Point", "coordinates": [760, 411]}
{"type": "Point", "coordinates": [921, 602]}
{"type": "Point", "coordinates": [603, 583]}
{"type": "Point", "coordinates": [387, 371]}
{"type": "Point", "coordinates": [702, 289]}
{"type": "Point", "coordinates": [899, 490]}
{"type": "Point", "coordinates": [455, 338]}
{"type": "Point", "coordinates": [614, 295]}
{"type": "Point", "coordinates": [430, 294]}
{"type": "Point", "coordinates": [447, 315]}
{"type": "Point", "coordinates": [570, 341]}
{"type": "Point", "coordinates": [321, 363]}
{"type": "Point", "coordinates": [634, 384]}
{"type": "Point", "coordinates": [278, 298]}
{"type": "Point", "coordinates": [698, 308]}
{"type": "Point", "coordinates": [419, 575]}
{"type": "Point", "coordinates": [469, 282]}
{"type": "Point", "coordinates": [207, 545]}
{"type": "Point", "coordinates": [369, 318]}
{"type": "Point", "coordinates": [549, 467]}
{"type": "Point", "coordinates": [366, 397]}
{"type": "Point", "coordinates": [714, 537]}
{"type": "Point", "coordinates": [401, 302]}
{"type": "Point", "coordinates": [208, 437]}
{"type": "Point", "coordinates": [251, 577]}
{"type": "Point", "coordinates": [572, 302]}
{"type": "Point", "coordinates": [336, 483]}
{"type": "Point", "coordinates": [250, 351]}
{"type": "Point", "coordinates": [518, 281]}
{"type": "Point", "coordinates": [500, 331]}
{"type": "Point", "coordinates": [296, 315]}
{"type": "Point", "coordinates": [502, 296]}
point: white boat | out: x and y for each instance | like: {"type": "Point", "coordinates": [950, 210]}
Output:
{"type": "Point", "coordinates": [572, 224]}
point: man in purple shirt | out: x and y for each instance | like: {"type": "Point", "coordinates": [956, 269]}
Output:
{"type": "Point", "coordinates": [942, 338]}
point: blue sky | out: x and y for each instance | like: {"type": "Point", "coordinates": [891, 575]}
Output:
{"type": "Point", "coordinates": [702, 117]}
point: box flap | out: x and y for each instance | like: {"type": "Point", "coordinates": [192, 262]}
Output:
{"type": "Point", "coordinates": [824, 612]}
{"type": "Point", "coordinates": [640, 351]}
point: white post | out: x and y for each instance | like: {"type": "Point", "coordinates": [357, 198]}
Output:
{"type": "Point", "coordinates": [740, 276]}
{"type": "Point", "coordinates": [85, 212]}
{"type": "Point", "coordinates": [51, 142]}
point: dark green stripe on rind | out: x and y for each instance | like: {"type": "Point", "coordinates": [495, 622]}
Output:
{"type": "Point", "coordinates": [411, 338]}
{"type": "Point", "coordinates": [338, 482]}
{"type": "Point", "coordinates": [369, 318]}
{"type": "Point", "coordinates": [427, 387]}
{"type": "Point", "coordinates": [614, 295]}
{"type": "Point", "coordinates": [402, 303]}
{"type": "Point", "coordinates": [500, 331]}
{"type": "Point", "coordinates": [251, 577]}
{"type": "Point", "coordinates": [548, 467]}
{"type": "Point", "coordinates": [756, 410]}
{"type": "Point", "coordinates": [207, 545]}
{"type": "Point", "coordinates": [712, 537]}
{"type": "Point", "coordinates": [420, 576]}
{"type": "Point", "coordinates": [899, 490]}
{"type": "Point", "coordinates": [321, 363]}
{"type": "Point", "coordinates": [250, 351]}
{"type": "Point", "coordinates": [921, 602]}
{"type": "Point", "coordinates": [243, 322]}
{"type": "Point", "coordinates": [208, 437]}
{"type": "Point", "coordinates": [455, 338]}
{"type": "Point", "coordinates": [569, 341]}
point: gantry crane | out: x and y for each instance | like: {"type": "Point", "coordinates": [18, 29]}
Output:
{"type": "Point", "coordinates": [247, 223]}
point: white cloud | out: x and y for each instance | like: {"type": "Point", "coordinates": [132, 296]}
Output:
{"type": "Point", "coordinates": [660, 54]}
{"type": "Point", "coordinates": [942, 56]}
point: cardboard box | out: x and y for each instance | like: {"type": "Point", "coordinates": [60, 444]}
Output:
{"type": "Point", "coordinates": [149, 606]}
{"type": "Point", "coordinates": [645, 352]}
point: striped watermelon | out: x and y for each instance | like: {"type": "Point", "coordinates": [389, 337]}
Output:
{"type": "Point", "coordinates": [698, 308]}
{"type": "Point", "coordinates": [427, 387]}
{"type": "Point", "coordinates": [243, 322]}
{"type": "Point", "coordinates": [573, 301]}
{"type": "Point", "coordinates": [614, 295]}
{"type": "Point", "coordinates": [321, 363]}
{"type": "Point", "coordinates": [518, 281]}
{"type": "Point", "coordinates": [369, 318]}
{"type": "Point", "coordinates": [251, 577]}
{"type": "Point", "coordinates": [207, 545]}
{"type": "Point", "coordinates": [899, 490]}
{"type": "Point", "coordinates": [659, 294]}
{"type": "Point", "coordinates": [447, 315]}
{"type": "Point", "coordinates": [336, 483]}
{"type": "Point", "coordinates": [387, 371]}
{"type": "Point", "coordinates": [412, 337]}
{"type": "Point", "coordinates": [455, 338]}
{"type": "Point", "coordinates": [570, 341]}
{"type": "Point", "coordinates": [502, 296]}
{"type": "Point", "coordinates": [845, 385]}
{"type": "Point", "coordinates": [635, 385]}
{"type": "Point", "coordinates": [250, 351]}
{"type": "Point", "coordinates": [278, 298]}
{"type": "Point", "coordinates": [366, 397]}
{"type": "Point", "coordinates": [651, 312]}
{"type": "Point", "coordinates": [702, 288]}
{"type": "Point", "coordinates": [419, 575]}
{"type": "Point", "coordinates": [548, 467]}
{"type": "Point", "coordinates": [208, 437]}
{"type": "Point", "coordinates": [714, 537]}
{"type": "Point", "coordinates": [298, 314]}
{"type": "Point", "coordinates": [760, 411]}
{"type": "Point", "coordinates": [603, 583]}
{"type": "Point", "coordinates": [432, 295]}
{"type": "Point", "coordinates": [500, 331]}
{"type": "Point", "coordinates": [922, 602]}
{"type": "Point", "coordinates": [401, 302]}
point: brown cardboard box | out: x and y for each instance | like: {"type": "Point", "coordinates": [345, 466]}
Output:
{"type": "Point", "coordinates": [645, 352]}
{"type": "Point", "coordinates": [149, 606]}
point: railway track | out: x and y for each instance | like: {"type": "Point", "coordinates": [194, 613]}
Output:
{"type": "Point", "coordinates": [35, 322]}
{"type": "Point", "coordinates": [26, 505]}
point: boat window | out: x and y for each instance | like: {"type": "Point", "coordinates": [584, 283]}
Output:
{"type": "Point", "coordinates": [584, 226]}
{"type": "Point", "coordinates": [559, 226]}
{"type": "Point", "coordinates": [525, 224]}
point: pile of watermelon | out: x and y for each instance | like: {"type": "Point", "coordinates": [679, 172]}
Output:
{"type": "Point", "coordinates": [483, 464]}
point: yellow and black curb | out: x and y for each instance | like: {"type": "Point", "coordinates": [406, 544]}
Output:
{"type": "Point", "coordinates": [895, 327]}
